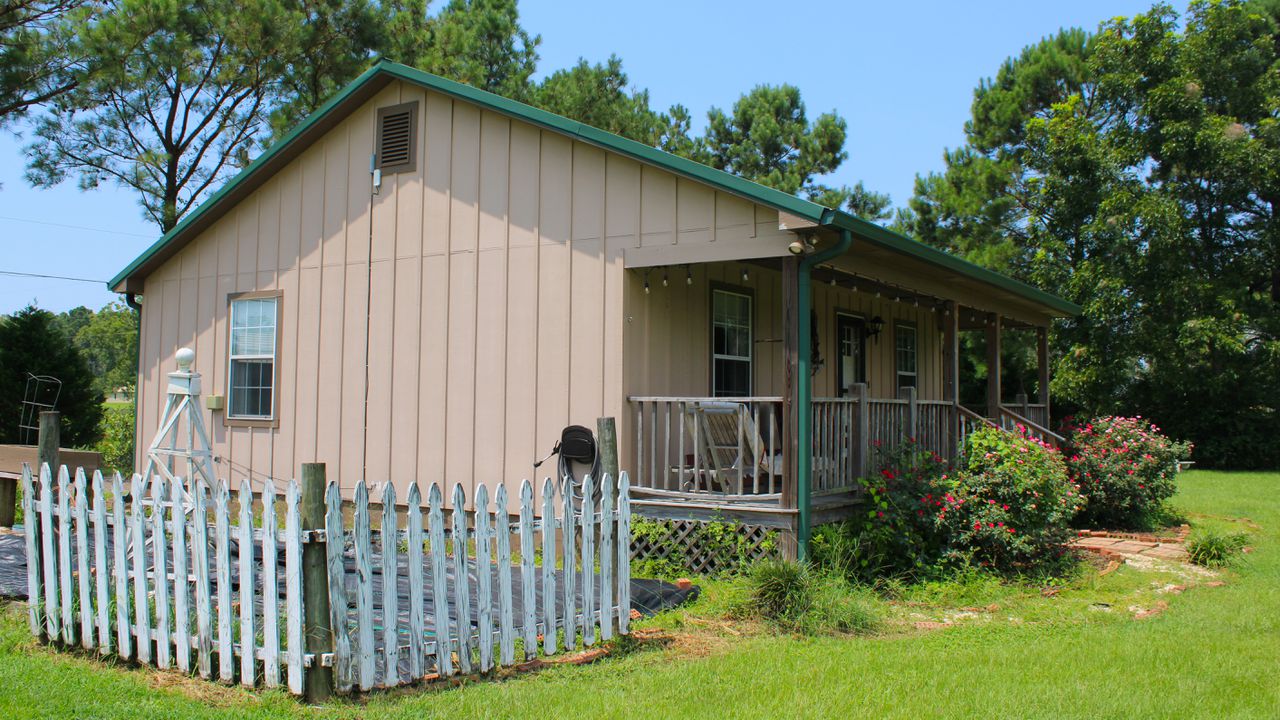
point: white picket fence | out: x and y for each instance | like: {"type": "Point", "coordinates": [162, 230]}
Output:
{"type": "Point", "coordinates": [131, 570]}
{"type": "Point", "coordinates": [554, 591]}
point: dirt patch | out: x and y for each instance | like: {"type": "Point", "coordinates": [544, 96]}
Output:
{"type": "Point", "coordinates": [1141, 613]}
{"type": "Point", "coordinates": [204, 691]}
{"type": "Point", "coordinates": [1183, 570]}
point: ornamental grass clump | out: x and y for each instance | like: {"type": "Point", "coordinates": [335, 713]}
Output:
{"type": "Point", "coordinates": [1009, 506]}
{"type": "Point", "coordinates": [796, 597]}
{"type": "Point", "coordinates": [1126, 467]}
{"type": "Point", "coordinates": [1215, 549]}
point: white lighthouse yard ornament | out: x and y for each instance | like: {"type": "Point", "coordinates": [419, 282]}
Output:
{"type": "Point", "coordinates": [169, 449]}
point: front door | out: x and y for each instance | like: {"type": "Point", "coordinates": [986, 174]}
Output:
{"type": "Point", "coordinates": [851, 338]}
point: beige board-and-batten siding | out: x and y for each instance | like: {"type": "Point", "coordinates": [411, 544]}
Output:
{"type": "Point", "coordinates": [669, 329]}
{"type": "Point", "coordinates": [495, 315]}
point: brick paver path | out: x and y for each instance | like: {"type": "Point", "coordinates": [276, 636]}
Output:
{"type": "Point", "coordinates": [1124, 546]}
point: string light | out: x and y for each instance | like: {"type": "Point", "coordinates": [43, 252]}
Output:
{"type": "Point", "coordinates": [688, 277]}
{"type": "Point", "coordinates": [646, 282]}
{"type": "Point", "coordinates": [745, 276]}
{"type": "Point", "coordinates": [664, 278]}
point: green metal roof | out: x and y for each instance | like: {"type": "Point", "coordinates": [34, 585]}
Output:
{"type": "Point", "coordinates": [384, 72]}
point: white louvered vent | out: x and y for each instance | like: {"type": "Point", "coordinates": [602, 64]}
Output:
{"type": "Point", "coordinates": [397, 135]}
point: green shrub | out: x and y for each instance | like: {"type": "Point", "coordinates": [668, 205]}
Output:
{"type": "Point", "coordinates": [1009, 505]}
{"type": "Point", "coordinates": [894, 532]}
{"type": "Point", "coordinates": [1215, 549]}
{"type": "Point", "coordinates": [117, 431]}
{"type": "Point", "coordinates": [1126, 467]}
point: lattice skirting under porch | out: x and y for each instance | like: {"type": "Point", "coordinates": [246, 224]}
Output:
{"type": "Point", "coordinates": [702, 547]}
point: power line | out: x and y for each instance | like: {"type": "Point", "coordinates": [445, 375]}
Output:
{"type": "Point", "coordinates": [15, 273]}
{"type": "Point", "coordinates": [73, 227]}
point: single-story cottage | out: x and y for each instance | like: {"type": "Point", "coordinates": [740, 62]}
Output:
{"type": "Point", "coordinates": [425, 281]}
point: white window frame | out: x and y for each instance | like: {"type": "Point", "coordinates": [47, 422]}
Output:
{"type": "Point", "coordinates": [900, 329]}
{"type": "Point", "coordinates": [240, 300]}
{"type": "Point", "coordinates": [748, 359]}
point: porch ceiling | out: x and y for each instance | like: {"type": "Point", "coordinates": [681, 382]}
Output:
{"type": "Point", "coordinates": [910, 279]}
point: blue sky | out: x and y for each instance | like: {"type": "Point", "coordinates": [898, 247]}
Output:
{"type": "Point", "coordinates": [901, 74]}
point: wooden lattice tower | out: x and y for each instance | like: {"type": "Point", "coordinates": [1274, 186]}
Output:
{"type": "Point", "coordinates": [171, 444]}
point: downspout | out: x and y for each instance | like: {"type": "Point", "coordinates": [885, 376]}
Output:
{"type": "Point", "coordinates": [131, 299]}
{"type": "Point", "coordinates": [804, 386]}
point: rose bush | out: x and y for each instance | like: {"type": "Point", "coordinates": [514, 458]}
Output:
{"type": "Point", "coordinates": [1005, 508]}
{"type": "Point", "coordinates": [1126, 467]}
{"type": "Point", "coordinates": [1009, 504]}
{"type": "Point", "coordinates": [893, 533]}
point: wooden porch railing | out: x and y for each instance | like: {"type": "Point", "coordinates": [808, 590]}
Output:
{"type": "Point", "coordinates": [1014, 422]}
{"type": "Point", "coordinates": [1037, 413]}
{"type": "Point", "coordinates": [968, 422]}
{"type": "Point", "coordinates": [704, 444]}
{"type": "Point", "coordinates": [733, 446]}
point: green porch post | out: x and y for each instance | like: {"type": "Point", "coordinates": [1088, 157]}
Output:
{"type": "Point", "coordinates": [804, 388]}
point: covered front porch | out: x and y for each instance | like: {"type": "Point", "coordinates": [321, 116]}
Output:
{"type": "Point", "coordinates": [715, 356]}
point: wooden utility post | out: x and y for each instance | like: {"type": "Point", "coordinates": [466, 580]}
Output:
{"type": "Point", "coordinates": [318, 682]}
{"type": "Point", "coordinates": [790, 384]}
{"type": "Point", "coordinates": [607, 446]}
{"type": "Point", "coordinates": [607, 442]}
{"type": "Point", "coordinates": [993, 367]}
{"type": "Point", "coordinates": [50, 439]}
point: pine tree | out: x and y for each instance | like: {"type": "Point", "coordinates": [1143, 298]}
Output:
{"type": "Point", "coordinates": [32, 344]}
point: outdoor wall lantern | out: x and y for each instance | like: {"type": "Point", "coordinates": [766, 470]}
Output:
{"type": "Point", "coordinates": [874, 327]}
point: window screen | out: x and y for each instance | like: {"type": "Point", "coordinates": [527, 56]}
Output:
{"type": "Point", "coordinates": [730, 344]}
{"type": "Point", "coordinates": [251, 381]}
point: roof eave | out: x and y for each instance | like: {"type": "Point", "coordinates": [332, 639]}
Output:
{"type": "Point", "coordinates": [897, 242]}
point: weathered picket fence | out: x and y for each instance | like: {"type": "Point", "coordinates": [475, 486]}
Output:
{"type": "Point", "coordinates": [157, 574]}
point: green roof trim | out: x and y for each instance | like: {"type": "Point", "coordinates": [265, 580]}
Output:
{"type": "Point", "coordinates": [384, 72]}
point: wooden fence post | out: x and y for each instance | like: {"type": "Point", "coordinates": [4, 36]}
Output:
{"type": "Point", "coordinates": [318, 681]}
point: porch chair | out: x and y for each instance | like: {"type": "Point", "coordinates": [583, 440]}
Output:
{"type": "Point", "coordinates": [717, 459]}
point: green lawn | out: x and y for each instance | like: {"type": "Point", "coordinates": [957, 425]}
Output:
{"type": "Point", "coordinates": [1215, 652]}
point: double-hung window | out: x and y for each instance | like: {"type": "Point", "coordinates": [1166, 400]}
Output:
{"type": "Point", "coordinates": [904, 347]}
{"type": "Point", "coordinates": [252, 376]}
{"type": "Point", "coordinates": [730, 344]}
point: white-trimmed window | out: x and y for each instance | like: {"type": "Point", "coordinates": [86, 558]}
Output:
{"type": "Point", "coordinates": [904, 351]}
{"type": "Point", "coordinates": [730, 344]}
{"type": "Point", "coordinates": [252, 369]}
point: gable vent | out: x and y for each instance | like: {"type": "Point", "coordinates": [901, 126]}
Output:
{"type": "Point", "coordinates": [397, 138]}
